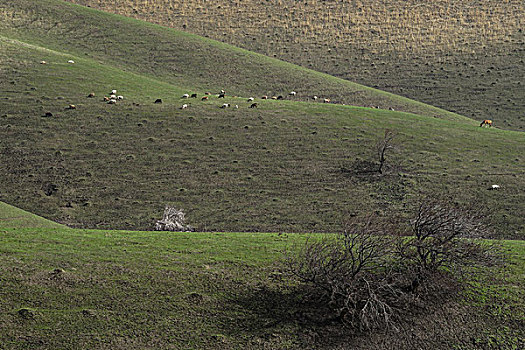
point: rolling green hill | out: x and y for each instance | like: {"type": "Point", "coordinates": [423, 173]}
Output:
{"type": "Point", "coordinates": [463, 56]}
{"type": "Point", "coordinates": [91, 289]}
{"type": "Point", "coordinates": [280, 167]}
{"type": "Point", "coordinates": [182, 59]}
{"type": "Point", "coordinates": [285, 166]}
{"type": "Point", "coordinates": [12, 217]}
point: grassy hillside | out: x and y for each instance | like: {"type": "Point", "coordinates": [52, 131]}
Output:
{"type": "Point", "coordinates": [71, 289]}
{"type": "Point", "coordinates": [465, 56]}
{"type": "Point", "coordinates": [12, 217]}
{"type": "Point", "coordinates": [284, 166]}
{"type": "Point", "coordinates": [181, 59]}
{"type": "Point", "coordinates": [274, 168]}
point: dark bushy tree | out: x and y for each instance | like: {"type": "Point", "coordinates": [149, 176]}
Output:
{"type": "Point", "coordinates": [352, 273]}
{"type": "Point", "coordinates": [446, 236]}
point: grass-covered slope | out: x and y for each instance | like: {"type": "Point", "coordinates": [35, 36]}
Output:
{"type": "Point", "coordinates": [87, 289]}
{"type": "Point", "coordinates": [180, 58]}
{"type": "Point", "coordinates": [464, 56]}
{"type": "Point", "coordinates": [13, 217]}
{"type": "Point", "coordinates": [277, 167]}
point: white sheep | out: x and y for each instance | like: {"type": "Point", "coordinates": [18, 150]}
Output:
{"type": "Point", "coordinates": [112, 101]}
{"type": "Point", "coordinates": [315, 98]}
{"type": "Point", "coordinates": [250, 99]}
{"type": "Point", "coordinates": [120, 97]}
{"type": "Point", "coordinates": [113, 97]}
{"type": "Point", "coordinates": [186, 96]}
{"type": "Point", "coordinates": [236, 106]}
{"type": "Point", "coordinates": [113, 92]}
{"type": "Point", "coordinates": [293, 93]}
{"type": "Point", "coordinates": [184, 106]}
{"type": "Point", "coordinates": [71, 61]}
{"type": "Point", "coordinates": [494, 187]}
{"type": "Point", "coordinates": [225, 105]}
{"type": "Point", "coordinates": [43, 62]}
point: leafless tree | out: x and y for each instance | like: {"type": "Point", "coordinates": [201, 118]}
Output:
{"type": "Point", "coordinates": [383, 146]}
{"type": "Point", "coordinates": [351, 272]}
{"type": "Point", "coordinates": [442, 236]}
{"type": "Point", "coordinates": [370, 274]}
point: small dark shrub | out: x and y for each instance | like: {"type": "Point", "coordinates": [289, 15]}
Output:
{"type": "Point", "coordinates": [360, 167]}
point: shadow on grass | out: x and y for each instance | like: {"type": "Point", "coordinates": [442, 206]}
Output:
{"type": "Point", "coordinates": [273, 313]}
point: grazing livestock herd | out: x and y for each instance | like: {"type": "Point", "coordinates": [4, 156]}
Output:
{"type": "Point", "coordinates": [113, 98]}
{"type": "Point", "coordinates": [222, 94]}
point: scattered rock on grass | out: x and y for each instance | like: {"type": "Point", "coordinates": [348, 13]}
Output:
{"type": "Point", "coordinates": [58, 271]}
{"type": "Point", "coordinates": [26, 314]}
{"type": "Point", "coordinates": [88, 313]}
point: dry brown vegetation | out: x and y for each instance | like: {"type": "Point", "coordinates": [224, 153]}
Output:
{"type": "Point", "coordinates": [379, 26]}
{"type": "Point", "coordinates": [465, 56]}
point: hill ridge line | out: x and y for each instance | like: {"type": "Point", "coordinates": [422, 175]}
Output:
{"type": "Point", "coordinates": [286, 102]}
{"type": "Point", "coordinates": [76, 57]}
{"type": "Point", "coordinates": [296, 70]}
{"type": "Point", "coordinates": [33, 46]}
{"type": "Point", "coordinates": [65, 54]}
{"type": "Point", "coordinates": [289, 65]}
{"type": "Point", "coordinates": [162, 82]}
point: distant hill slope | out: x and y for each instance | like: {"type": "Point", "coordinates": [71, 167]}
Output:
{"type": "Point", "coordinates": [182, 59]}
{"type": "Point", "coordinates": [284, 166]}
{"type": "Point", "coordinates": [12, 217]}
{"type": "Point", "coordinates": [465, 56]}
